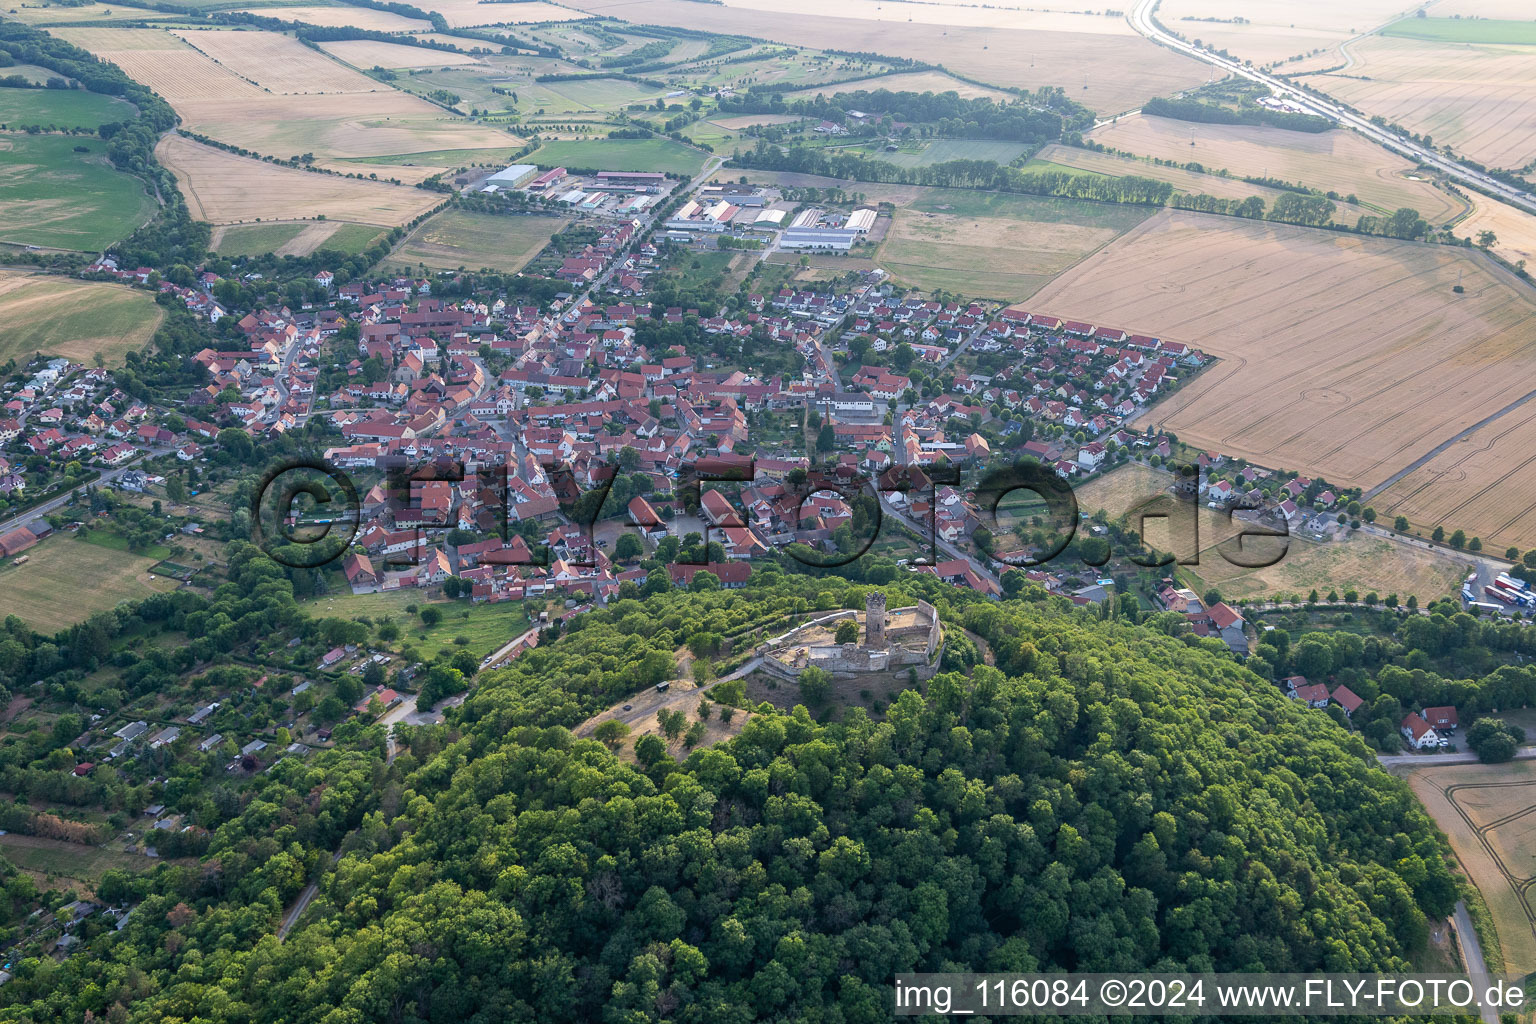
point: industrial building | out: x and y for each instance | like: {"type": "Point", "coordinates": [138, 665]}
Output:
{"type": "Point", "coordinates": [806, 219]}
{"type": "Point", "coordinates": [547, 180]}
{"type": "Point", "coordinates": [774, 217]}
{"type": "Point", "coordinates": [800, 238]}
{"type": "Point", "coordinates": [861, 220]}
{"type": "Point", "coordinates": [513, 176]}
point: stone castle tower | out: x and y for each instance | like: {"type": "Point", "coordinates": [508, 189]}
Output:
{"type": "Point", "coordinates": [874, 621]}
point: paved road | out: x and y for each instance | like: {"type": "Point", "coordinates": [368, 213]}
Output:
{"type": "Point", "coordinates": [1472, 956]}
{"type": "Point", "coordinates": [980, 567]}
{"type": "Point", "coordinates": [1436, 760]}
{"type": "Point", "coordinates": [1142, 19]}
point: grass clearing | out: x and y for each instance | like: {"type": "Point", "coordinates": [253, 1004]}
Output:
{"type": "Point", "coordinates": [457, 238]}
{"type": "Point", "coordinates": [62, 192]}
{"type": "Point", "coordinates": [66, 580]}
{"type": "Point", "coordinates": [72, 318]}
{"type": "Point", "coordinates": [60, 108]}
{"type": "Point", "coordinates": [487, 626]}
{"type": "Point", "coordinates": [254, 239]}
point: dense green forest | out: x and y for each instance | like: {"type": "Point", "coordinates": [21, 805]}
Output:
{"type": "Point", "coordinates": [1106, 796]}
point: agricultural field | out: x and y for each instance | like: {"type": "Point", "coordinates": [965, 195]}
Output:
{"type": "Point", "coordinates": [1483, 810]}
{"type": "Point", "coordinates": [621, 155]}
{"type": "Point", "coordinates": [223, 188]}
{"type": "Point", "coordinates": [1276, 305]}
{"type": "Point", "coordinates": [1338, 161]}
{"type": "Point", "coordinates": [1480, 98]}
{"type": "Point", "coordinates": [370, 121]}
{"type": "Point", "coordinates": [912, 81]}
{"type": "Point", "coordinates": [368, 53]}
{"type": "Point", "coordinates": [46, 14]}
{"type": "Point", "coordinates": [345, 16]}
{"type": "Point", "coordinates": [76, 319]}
{"type": "Point", "coordinates": [473, 13]}
{"type": "Point", "coordinates": [1464, 30]}
{"type": "Point", "coordinates": [1275, 30]}
{"type": "Point", "coordinates": [292, 238]}
{"type": "Point", "coordinates": [60, 108]}
{"type": "Point", "coordinates": [275, 62]}
{"type": "Point", "coordinates": [994, 245]}
{"type": "Point", "coordinates": [1096, 58]}
{"type": "Point", "coordinates": [942, 150]}
{"type": "Point", "coordinates": [1483, 483]}
{"type": "Point", "coordinates": [46, 594]}
{"type": "Point", "coordinates": [1070, 158]}
{"type": "Point", "coordinates": [1515, 229]}
{"type": "Point", "coordinates": [61, 192]}
{"type": "Point", "coordinates": [456, 238]}
{"type": "Point", "coordinates": [486, 626]}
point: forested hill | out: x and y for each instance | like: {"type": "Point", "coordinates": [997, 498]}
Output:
{"type": "Point", "coordinates": [1106, 798]}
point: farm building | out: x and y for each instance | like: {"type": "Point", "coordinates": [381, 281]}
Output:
{"type": "Point", "coordinates": [774, 217]}
{"type": "Point", "coordinates": [513, 176]}
{"type": "Point", "coordinates": [836, 239]}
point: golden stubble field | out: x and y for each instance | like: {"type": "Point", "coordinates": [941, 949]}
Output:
{"type": "Point", "coordinates": [368, 53]}
{"type": "Point", "coordinates": [1483, 809]}
{"type": "Point", "coordinates": [270, 94]}
{"type": "Point", "coordinates": [1484, 483]}
{"type": "Point", "coordinates": [223, 188]}
{"type": "Point", "coordinates": [1338, 161]}
{"type": "Point", "coordinates": [1278, 29]}
{"type": "Point", "coordinates": [1340, 356]}
{"type": "Point", "coordinates": [1479, 98]}
{"type": "Point", "coordinates": [1121, 70]}
{"type": "Point", "coordinates": [345, 17]}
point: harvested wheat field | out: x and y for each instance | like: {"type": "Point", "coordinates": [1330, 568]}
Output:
{"type": "Point", "coordinates": [950, 15]}
{"type": "Point", "coordinates": [1278, 29]}
{"type": "Point", "coordinates": [1122, 70]}
{"type": "Point", "coordinates": [367, 53]}
{"type": "Point", "coordinates": [1484, 483]}
{"type": "Point", "coordinates": [1341, 356]}
{"type": "Point", "coordinates": [1514, 229]}
{"type": "Point", "coordinates": [213, 100]}
{"type": "Point", "coordinates": [223, 188]}
{"type": "Point", "coordinates": [473, 13]}
{"type": "Point", "coordinates": [345, 17]}
{"type": "Point", "coordinates": [1480, 98]}
{"type": "Point", "coordinates": [1337, 160]}
{"type": "Point", "coordinates": [276, 62]}
{"type": "Point", "coordinates": [1483, 810]}
{"type": "Point", "coordinates": [76, 319]}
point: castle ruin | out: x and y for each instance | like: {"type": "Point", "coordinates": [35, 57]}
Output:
{"type": "Point", "coordinates": [908, 638]}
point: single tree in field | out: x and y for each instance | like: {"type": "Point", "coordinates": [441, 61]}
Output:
{"type": "Point", "coordinates": [1400, 524]}
{"type": "Point", "coordinates": [1487, 239]}
{"type": "Point", "coordinates": [611, 733]}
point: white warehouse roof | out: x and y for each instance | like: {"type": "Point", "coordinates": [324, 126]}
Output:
{"type": "Point", "coordinates": [770, 217]}
{"type": "Point", "coordinates": [513, 175]}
